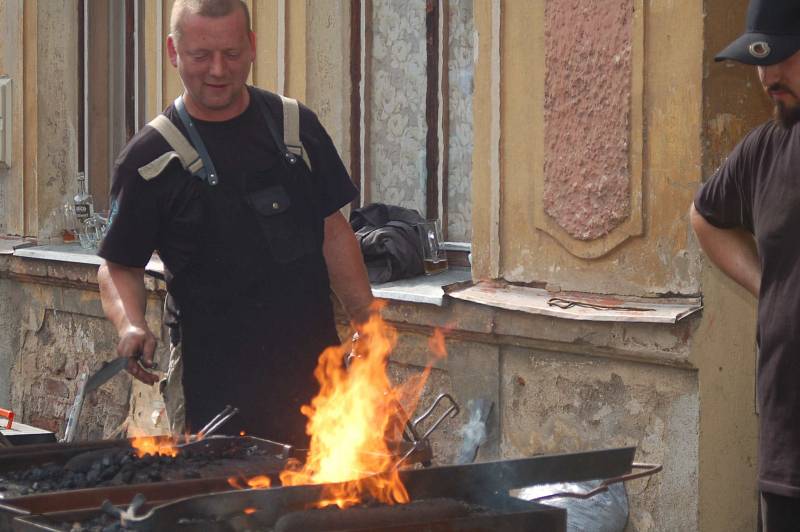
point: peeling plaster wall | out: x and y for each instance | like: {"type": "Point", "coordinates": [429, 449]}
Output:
{"type": "Point", "coordinates": [560, 386]}
{"type": "Point", "coordinates": [57, 331]}
{"type": "Point", "coordinates": [11, 306]}
{"type": "Point", "coordinates": [52, 350]}
{"type": "Point", "coordinates": [469, 372]}
{"type": "Point", "coordinates": [552, 402]}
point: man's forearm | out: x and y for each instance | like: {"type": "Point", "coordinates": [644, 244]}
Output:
{"type": "Point", "coordinates": [123, 295]}
{"type": "Point", "coordinates": [346, 270]}
{"type": "Point", "coordinates": [732, 250]}
{"type": "Point", "coordinates": [124, 299]}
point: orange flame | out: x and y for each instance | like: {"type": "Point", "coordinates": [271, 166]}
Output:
{"type": "Point", "coordinates": [249, 511]}
{"type": "Point", "coordinates": [155, 445]}
{"type": "Point", "coordinates": [259, 482]}
{"type": "Point", "coordinates": [350, 419]}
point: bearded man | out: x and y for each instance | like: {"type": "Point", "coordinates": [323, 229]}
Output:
{"type": "Point", "coordinates": [747, 219]}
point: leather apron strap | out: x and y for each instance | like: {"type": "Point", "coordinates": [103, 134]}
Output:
{"type": "Point", "coordinates": [208, 173]}
{"type": "Point", "coordinates": [183, 151]}
{"type": "Point", "coordinates": [291, 128]}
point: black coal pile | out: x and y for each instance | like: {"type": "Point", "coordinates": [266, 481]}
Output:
{"type": "Point", "coordinates": [122, 466]}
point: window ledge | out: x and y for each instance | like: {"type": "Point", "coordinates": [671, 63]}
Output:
{"type": "Point", "coordinates": [9, 245]}
{"type": "Point", "coordinates": [73, 253]}
{"type": "Point", "coordinates": [577, 305]}
{"type": "Point", "coordinates": [428, 289]}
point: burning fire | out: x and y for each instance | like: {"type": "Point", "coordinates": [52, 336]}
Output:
{"type": "Point", "coordinates": [259, 482]}
{"type": "Point", "coordinates": [155, 445]}
{"type": "Point", "coordinates": [356, 411]}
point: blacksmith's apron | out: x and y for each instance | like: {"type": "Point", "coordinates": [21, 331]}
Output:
{"type": "Point", "coordinates": [255, 309]}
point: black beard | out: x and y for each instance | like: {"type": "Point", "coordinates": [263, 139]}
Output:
{"type": "Point", "coordinates": [787, 116]}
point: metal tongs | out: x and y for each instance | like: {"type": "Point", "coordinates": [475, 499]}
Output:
{"type": "Point", "coordinates": [411, 431]}
{"type": "Point", "coordinates": [87, 384]}
{"type": "Point", "coordinates": [217, 421]}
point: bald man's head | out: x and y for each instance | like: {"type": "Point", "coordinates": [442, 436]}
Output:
{"type": "Point", "coordinates": [204, 8]}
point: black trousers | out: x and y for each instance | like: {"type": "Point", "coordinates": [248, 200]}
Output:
{"type": "Point", "coordinates": [779, 513]}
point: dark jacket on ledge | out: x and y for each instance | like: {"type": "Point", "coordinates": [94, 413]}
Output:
{"type": "Point", "coordinates": [389, 241]}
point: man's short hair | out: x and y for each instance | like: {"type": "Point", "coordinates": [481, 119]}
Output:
{"type": "Point", "coordinates": [205, 8]}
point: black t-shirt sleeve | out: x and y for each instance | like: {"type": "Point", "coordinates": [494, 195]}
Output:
{"type": "Point", "coordinates": [133, 232]}
{"type": "Point", "coordinates": [726, 199]}
{"type": "Point", "coordinates": [333, 184]}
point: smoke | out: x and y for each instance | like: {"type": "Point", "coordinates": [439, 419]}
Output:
{"type": "Point", "coordinates": [474, 431]}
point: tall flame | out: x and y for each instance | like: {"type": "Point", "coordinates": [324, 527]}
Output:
{"type": "Point", "coordinates": [356, 410]}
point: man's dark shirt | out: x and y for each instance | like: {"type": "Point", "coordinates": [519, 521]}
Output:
{"type": "Point", "coordinates": [163, 214]}
{"type": "Point", "coordinates": [253, 323]}
{"type": "Point", "coordinates": [758, 189]}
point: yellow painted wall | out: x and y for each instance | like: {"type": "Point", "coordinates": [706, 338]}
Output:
{"type": "Point", "coordinates": [38, 53]}
{"type": "Point", "coordinates": [669, 73]}
{"type": "Point", "coordinates": [693, 113]}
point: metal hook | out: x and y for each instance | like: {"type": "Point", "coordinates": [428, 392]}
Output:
{"type": "Point", "coordinates": [452, 412]}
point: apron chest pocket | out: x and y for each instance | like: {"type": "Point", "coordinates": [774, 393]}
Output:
{"type": "Point", "coordinates": [287, 236]}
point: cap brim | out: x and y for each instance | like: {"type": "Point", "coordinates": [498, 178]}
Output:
{"type": "Point", "coordinates": [781, 47]}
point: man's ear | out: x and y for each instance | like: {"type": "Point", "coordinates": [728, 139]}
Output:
{"type": "Point", "coordinates": [172, 50]}
{"type": "Point", "coordinates": [253, 44]}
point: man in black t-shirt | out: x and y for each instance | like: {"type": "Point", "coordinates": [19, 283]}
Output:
{"type": "Point", "coordinates": [746, 217]}
{"type": "Point", "coordinates": [250, 256]}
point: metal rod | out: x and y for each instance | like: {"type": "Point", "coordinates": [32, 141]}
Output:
{"type": "Point", "coordinates": [649, 469]}
{"type": "Point", "coordinates": [212, 429]}
{"type": "Point", "coordinates": [71, 429]}
{"type": "Point", "coordinates": [211, 423]}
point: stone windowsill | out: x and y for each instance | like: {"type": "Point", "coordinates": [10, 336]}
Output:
{"type": "Point", "coordinates": [427, 289]}
{"type": "Point", "coordinates": [454, 283]}
{"type": "Point", "coordinates": [75, 254]}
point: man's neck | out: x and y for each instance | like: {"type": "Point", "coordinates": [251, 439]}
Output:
{"type": "Point", "coordinates": [237, 107]}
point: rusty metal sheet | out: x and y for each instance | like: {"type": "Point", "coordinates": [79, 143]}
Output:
{"type": "Point", "coordinates": [578, 305]}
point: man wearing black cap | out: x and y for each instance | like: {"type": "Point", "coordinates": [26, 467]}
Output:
{"type": "Point", "coordinates": [747, 219]}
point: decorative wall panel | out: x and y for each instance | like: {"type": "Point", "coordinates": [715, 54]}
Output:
{"type": "Point", "coordinates": [591, 186]}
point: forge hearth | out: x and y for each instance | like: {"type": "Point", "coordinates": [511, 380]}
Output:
{"type": "Point", "coordinates": [52, 478]}
{"type": "Point", "coordinates": [121, 466]}
{"type": "Point", "coordinates": [467, 497]}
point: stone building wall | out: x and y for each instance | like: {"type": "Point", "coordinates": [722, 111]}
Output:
{"type": "Point", "coordinates": [54, 331]}
{"type": "Point", "coordinates": [555, 385]}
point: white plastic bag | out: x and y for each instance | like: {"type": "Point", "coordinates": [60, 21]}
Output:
{"type": "Point", "coordinates": [604, 512]}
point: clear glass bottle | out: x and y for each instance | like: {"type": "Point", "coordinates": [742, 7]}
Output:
{"type": "Point", "coordinates": [83, 202]}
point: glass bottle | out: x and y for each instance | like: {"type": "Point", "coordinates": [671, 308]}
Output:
{"type": "Point", "coordinates": [83, 202]}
